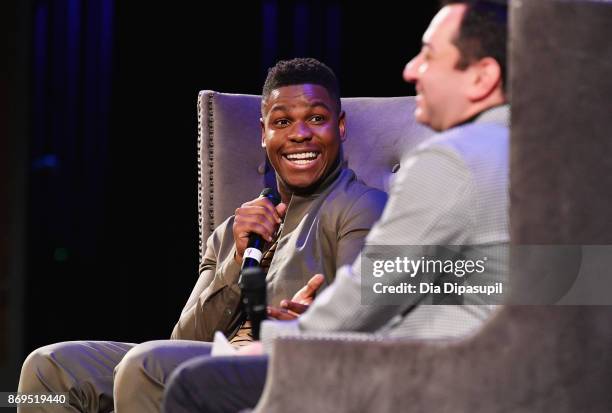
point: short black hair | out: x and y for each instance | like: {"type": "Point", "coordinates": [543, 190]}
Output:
{"type": "Point", "coordinates": [300, 71]}
{"type": "Point", "coordinates": [482, 33]}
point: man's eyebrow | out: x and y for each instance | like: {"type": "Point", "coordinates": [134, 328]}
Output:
{"type": "Point", "coordinates": [427, 44]}
{"type": "Point", "coordinates": [283, 108]}
{"type": "Point", "coordinates": [319, 103]}
{"type": "Point", "coordinates": [278, 108]}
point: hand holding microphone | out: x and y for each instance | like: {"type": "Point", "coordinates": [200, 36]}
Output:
{"type": "Point", "coordinates": [259, 218]}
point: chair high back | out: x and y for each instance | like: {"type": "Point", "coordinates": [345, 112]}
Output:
{"type": "Point", "coordinates": [232, 164]}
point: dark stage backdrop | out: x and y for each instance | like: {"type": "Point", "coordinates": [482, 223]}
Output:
{"type": "Point", "coordinates": [110, 226]}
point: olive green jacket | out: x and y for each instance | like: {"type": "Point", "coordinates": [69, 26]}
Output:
{"type": "Point", "coordinates": [322, 232]}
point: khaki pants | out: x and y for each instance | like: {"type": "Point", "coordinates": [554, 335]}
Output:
{"type": "Point", "coordinates": [100, 376]}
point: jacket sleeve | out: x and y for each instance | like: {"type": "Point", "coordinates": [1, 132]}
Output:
{"type": "Point", "coordinates": [214, 301]}
{"type": "Point", "coordinates": [356, 223]}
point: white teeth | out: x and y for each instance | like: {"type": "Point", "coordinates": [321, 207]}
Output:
{"type": "Point", "coordinates": [300, 156]}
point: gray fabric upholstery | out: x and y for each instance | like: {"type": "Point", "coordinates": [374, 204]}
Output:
{"type": "Point", "coordinates": [232, 165]}
{"type": "Point", "coordinates": [528, 359]}
{"type": "Point", "coordinates": [561, 122]}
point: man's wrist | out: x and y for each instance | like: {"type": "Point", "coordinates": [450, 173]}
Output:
{"type": "Point", "coordinates": [237, 258]}
{"type": "Point", "coordinates": [230, 270]}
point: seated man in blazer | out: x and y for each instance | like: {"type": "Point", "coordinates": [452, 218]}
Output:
{"type": "Point", "coordinates": [320, 225]}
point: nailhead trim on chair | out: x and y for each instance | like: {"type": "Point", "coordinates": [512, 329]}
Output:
{"type": "Point", "coordinates": [211, 158]}
{"type": "Point", "coordinates": [345, 337]}
{"type": "Point", "coordinates": [209, 165]}
{"type": "Point", "coordinates": [199, 140]}
{"type": "Point", "coordinates": [200, 177]}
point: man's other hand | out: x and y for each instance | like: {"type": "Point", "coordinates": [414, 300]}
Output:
{"type": "Point", "coordinates": [291, 310]}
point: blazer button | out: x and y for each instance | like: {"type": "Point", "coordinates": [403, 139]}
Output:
{"type": "Point", "coordinates": [395, 168]}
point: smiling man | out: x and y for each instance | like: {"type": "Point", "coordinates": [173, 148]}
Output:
{"type": "Point", "coordinates": [319, 226]}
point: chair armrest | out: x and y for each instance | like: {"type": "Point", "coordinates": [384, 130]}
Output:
{"type": "Point", "coordinates": [525, 359]}
{"type": "Point", "coordinates": [352, 373]}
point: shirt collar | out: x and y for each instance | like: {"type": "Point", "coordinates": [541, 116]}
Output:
{"type": "Point", "coordinates": [495, 114]}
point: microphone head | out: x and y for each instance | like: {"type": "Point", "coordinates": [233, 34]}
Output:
{"type": "Point", "coordinates": [252, 279]}
{"type": "Point", "coordinates": [252, 284]}
{"type": "Point", "coordinates": [271, 195]}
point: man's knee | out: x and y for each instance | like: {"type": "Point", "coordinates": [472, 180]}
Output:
{"type": "Point", "coordinates": [133, 365]}
{"type": "Point", "coordinates": [154, 361]}
{"type": "Point", "coordinates": [148, 362]}
{"type": "Point", "coordinates": [216, 384]}
{"type": "Point", "coordinates": [180, 396]}
{"type": "Point", "coordinates": [140, 378]}
{"type": "Point", "coordinates": [37, 364]}
{"type": "Point", "coordinates": [186, 373]}
{"type": "Point", "coordinates": [41, 370]}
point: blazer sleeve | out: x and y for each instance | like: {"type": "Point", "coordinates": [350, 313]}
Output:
{"type": "Point", "coordinates": [214, 301]}
{"type": "Point", "coordinates": [356, 223]}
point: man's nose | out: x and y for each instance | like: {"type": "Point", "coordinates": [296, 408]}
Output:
{"type": "Point", "coordinates": [301, 132]}
{"type": "Point", "coordinates": [411, 71]}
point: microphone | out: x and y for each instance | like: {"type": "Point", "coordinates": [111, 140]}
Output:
{"type": "Point", "coordinates": [254, 250]}
{"type": "Point", "coordinates": [252, 281]}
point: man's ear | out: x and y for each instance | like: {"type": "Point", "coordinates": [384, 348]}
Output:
{"type": "Point", "coordinates": [263, 132]}
{"type": "Point", "coordinates": [487, 78]}
{"type": "Point", "coordinates": [342, 125]}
